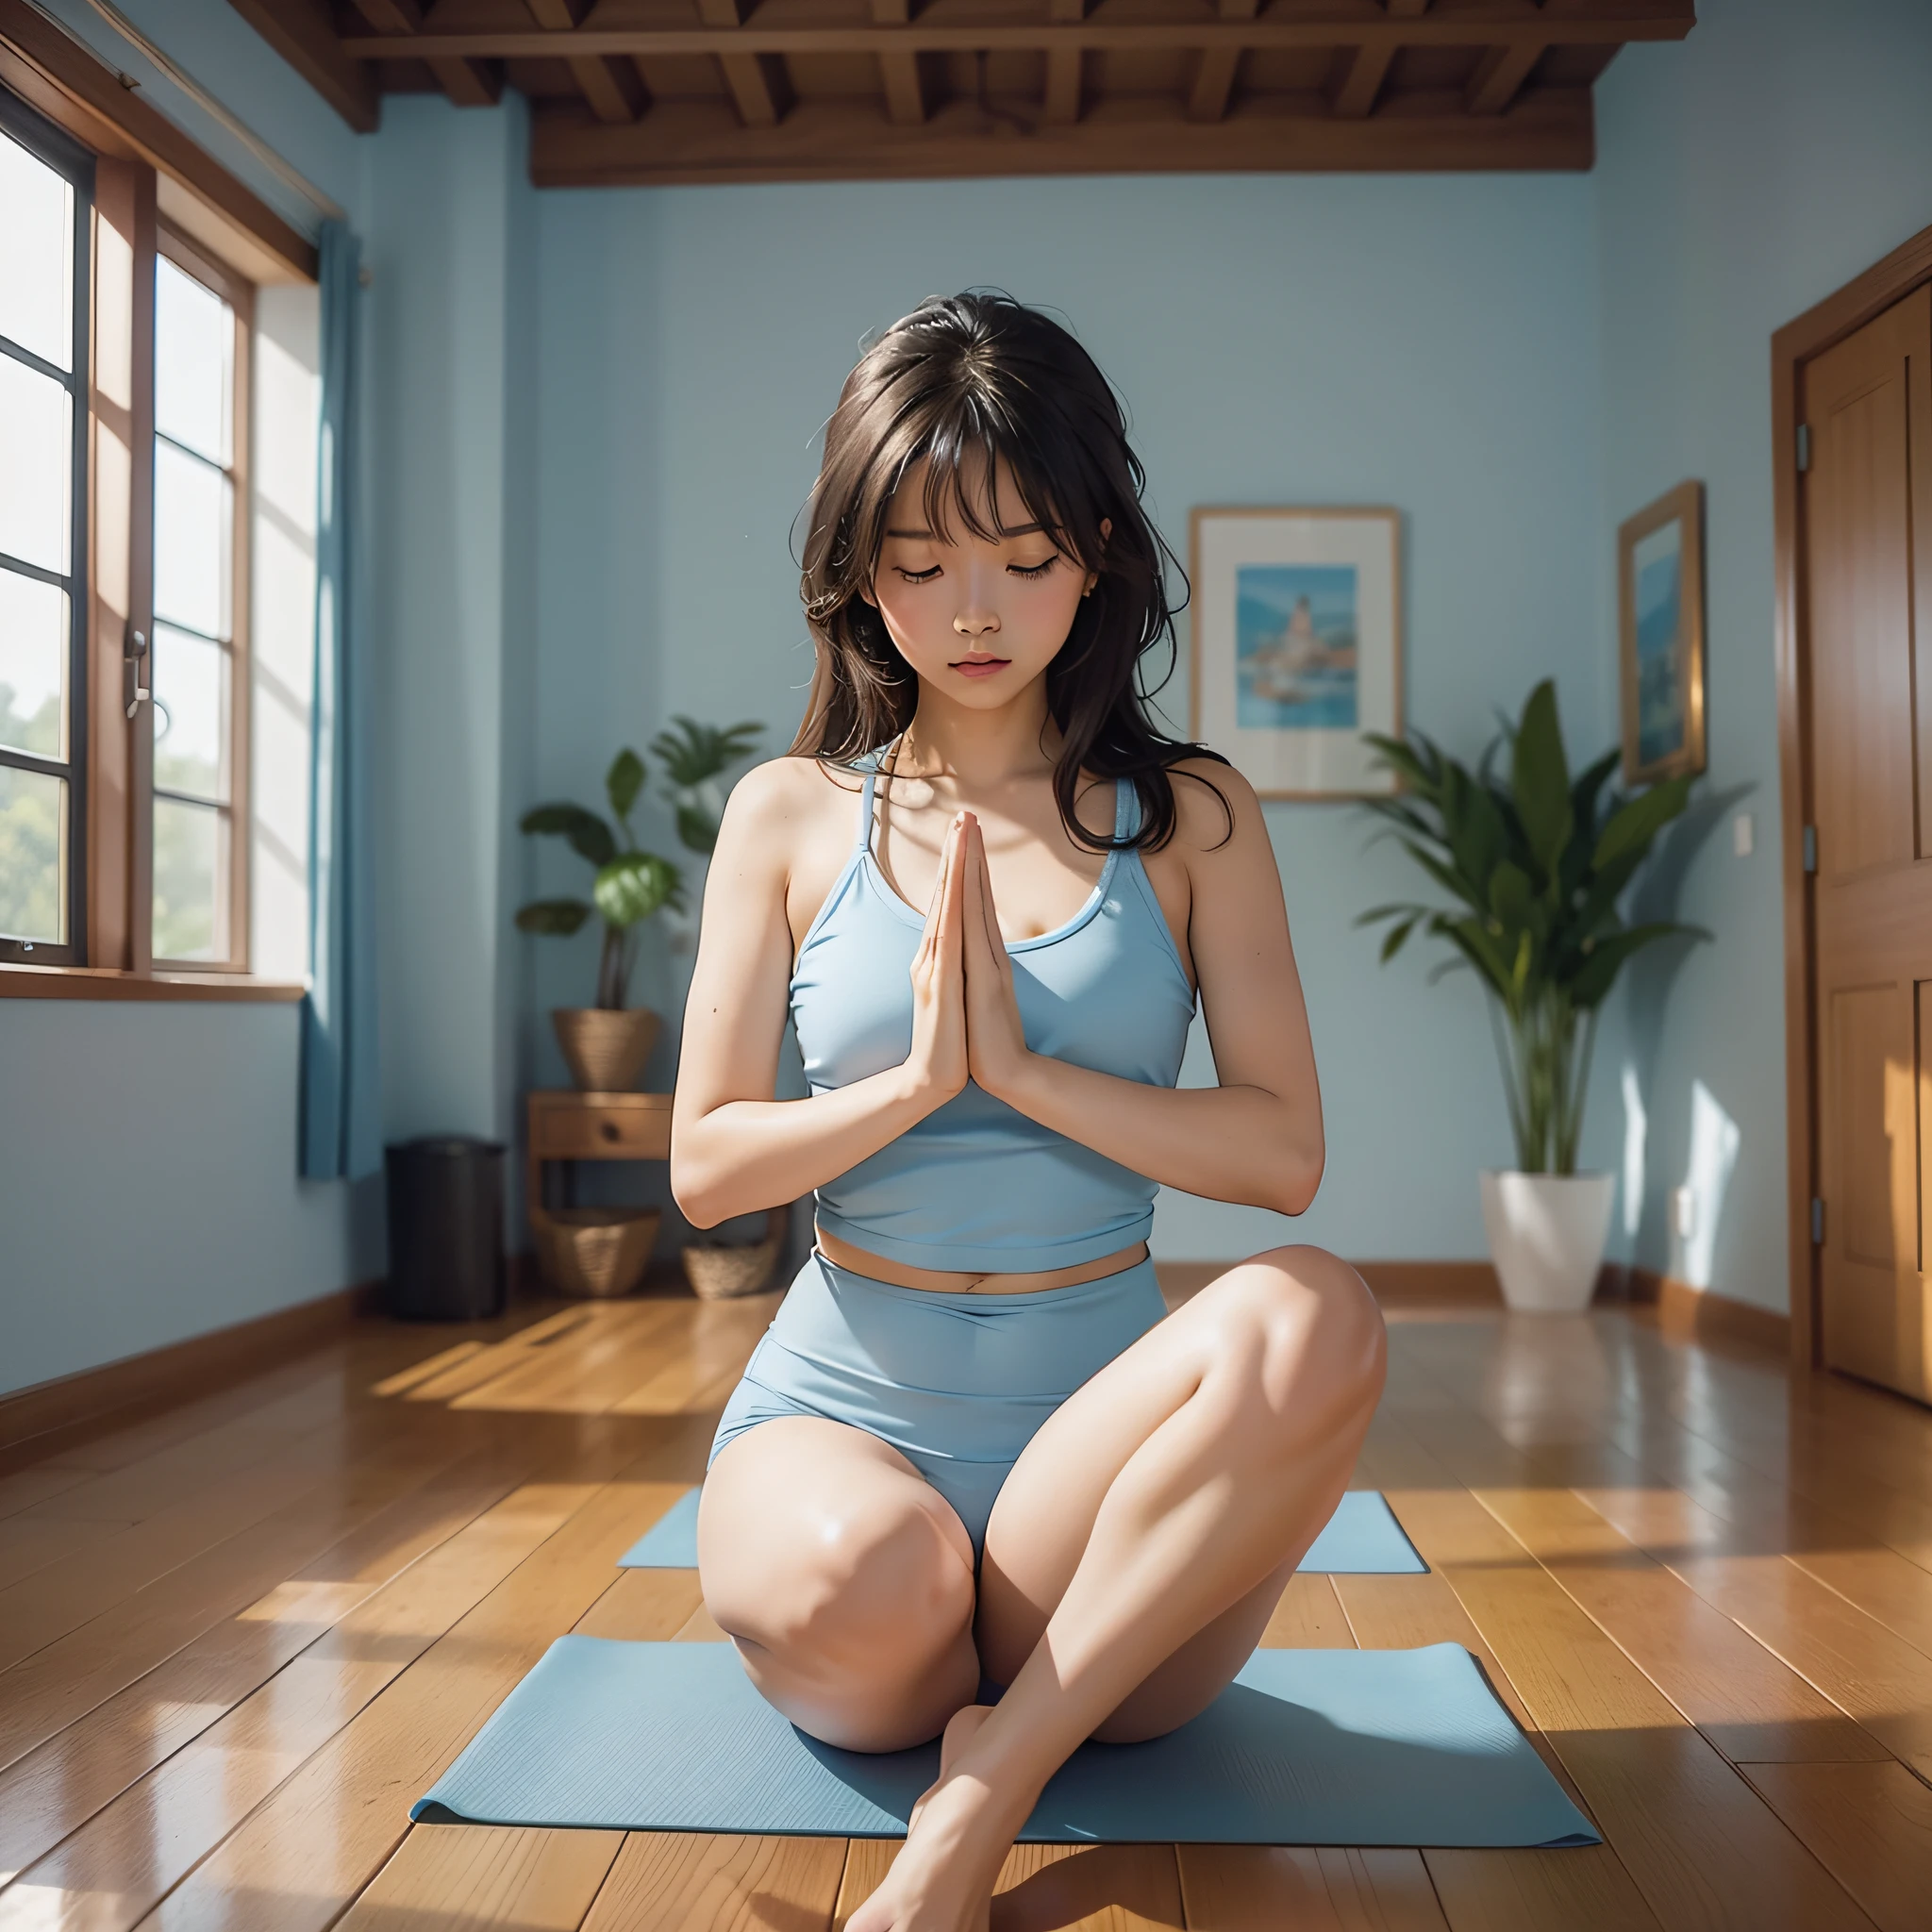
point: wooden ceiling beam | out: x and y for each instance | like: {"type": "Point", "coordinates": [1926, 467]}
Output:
{"type": "Point", "coordinates": [469, 80]}
{"type": "Point", "coordinates": [905, 90]}
{"type": "Point", "coordinates": [1215, 70]}
{"type": "Point", "coordinates": [303, 32]}
{"type": "Point", "coordinates": [899, 74]}
{"type": "Point", "coordinates": [1362, 74]}
{"type": "Point", "coordinates": [760, 87]}
{"type": "Point", "coordinates": [614, 85]}
{"type": "Point", "coordinates": [1213, 83]}
{"type": "Point", "coordinates": [681, 141]}
{"type": "Point", "coordinates": [1636, 20]}
{"type": "Point", "coordinates": [1499, 76]}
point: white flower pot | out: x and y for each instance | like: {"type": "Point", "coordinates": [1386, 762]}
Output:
{"type": "Point", "coordinates": [1547, 1236]}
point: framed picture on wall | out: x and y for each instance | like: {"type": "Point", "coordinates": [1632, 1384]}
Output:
{"type": "Point", "coordinates": [1660, 610]}
{"type": "Point", "coordinates": [1297, 645]}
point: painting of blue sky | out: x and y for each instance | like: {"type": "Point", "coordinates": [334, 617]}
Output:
{"type": "Point", "coordinates": [1295, 654]}
{"type": "Point", "coordinates": [1657, 563]}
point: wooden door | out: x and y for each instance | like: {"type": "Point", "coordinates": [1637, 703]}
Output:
{"type": "Point", "coordinates": [1868, 559]}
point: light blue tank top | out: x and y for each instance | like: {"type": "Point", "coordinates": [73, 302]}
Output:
{"type": "Point", "coordinates": [976, 1185]}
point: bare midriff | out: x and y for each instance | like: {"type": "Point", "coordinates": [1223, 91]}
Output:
{"type": "Point", "coordinates": [842, 1253]}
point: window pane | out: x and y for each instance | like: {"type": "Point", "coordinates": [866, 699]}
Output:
{"type": "Point", "coordinates": [36, 255]}
{"type": "Point", "coordinates": [36, 460]}
{"type": "Point", "coordinates": [33, 856]}
{"type": "Point", "coordinates": [33, 665]}
{"type": "Point", "coordinates": [191, 881]}
{"type": "Point", "coordinates": [195, 524]}
{"type": "Point", "coordinates": [190, 687]}
{"type": "Point", "coordinates": [194, 347]}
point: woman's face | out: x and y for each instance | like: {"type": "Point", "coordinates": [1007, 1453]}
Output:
{"type": "Point", "coordinates": [977, 620]}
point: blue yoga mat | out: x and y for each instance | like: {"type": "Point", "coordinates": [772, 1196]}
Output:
{"type": "Point", "coordinates": [1323, 1747]}
{"type": "Point", "coordinates": [1362, 1539]}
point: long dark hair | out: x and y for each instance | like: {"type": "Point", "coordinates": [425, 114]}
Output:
{"type": "Point", "coordinates": [968, 382]}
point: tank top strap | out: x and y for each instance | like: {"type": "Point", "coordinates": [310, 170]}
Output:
{"type": "Point", "coordinates": [862, 841]}
{"type": "Point", "coordinates": [1126, 808]}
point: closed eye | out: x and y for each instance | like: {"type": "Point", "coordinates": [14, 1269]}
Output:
{"type": "Point", "coordinates": [921, 576]}
{"type": "Point", "coordinates": [1034, 570]}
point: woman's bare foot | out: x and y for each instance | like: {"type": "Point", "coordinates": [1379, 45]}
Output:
{"type": "Point", "coordinates": [955, 1842]}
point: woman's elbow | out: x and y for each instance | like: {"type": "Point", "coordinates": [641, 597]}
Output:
{"type": "Point", "coordinates": [695, 1190]}
{"type": "Point", "coordinates": [1297, 1178]}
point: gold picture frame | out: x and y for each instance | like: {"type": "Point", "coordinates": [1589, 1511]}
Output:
{"type": "Point", "coordinates": [1297, 645]}
{"type": "Point", "coordinates": [1660, 636]}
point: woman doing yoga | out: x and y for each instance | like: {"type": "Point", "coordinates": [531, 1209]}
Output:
{"type": "Point", "coordinates": [973, 1444]}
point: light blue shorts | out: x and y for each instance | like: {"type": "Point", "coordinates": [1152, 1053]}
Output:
{"type": "Point", "coordinates": [957, 1383]}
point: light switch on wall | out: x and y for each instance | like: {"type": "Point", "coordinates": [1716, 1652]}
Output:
{"type": "Point", "coordinates": [1683, 1212]}
{"type": "Point", "coordinates": [1742, 835]}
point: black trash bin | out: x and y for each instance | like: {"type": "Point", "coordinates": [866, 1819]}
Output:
{"type": "Point", "coordinates": [445, 1229]}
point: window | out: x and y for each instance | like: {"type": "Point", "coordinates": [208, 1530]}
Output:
{"type": "Point", "coordinates": [199, 680]}
{"type": "Point", "coordinates": [45, 188]}
{"type": "Point", "coordinates": [125, 513]}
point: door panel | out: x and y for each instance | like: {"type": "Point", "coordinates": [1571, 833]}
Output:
{"type": "Point", "coordinates": [1867, 508]}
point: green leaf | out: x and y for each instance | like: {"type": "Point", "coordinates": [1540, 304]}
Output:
{"type": "Point", "coordinates": [623, 781]}
{"type": "Point", "coordinates": [1632, 828]}
{"type": "Point", "coordinates": [1397, 935]}
{"type": "Point", "coordinates": [1583, 795]}
{"type": "Point", "coordinates": [559, 917]}
{"type": "Point", "coordinates": [1540, 779]}
{"type": "Point", "coordinates": [696, 828]}
{"type": "Point", "coordinates": [1450, 882]}
{"type": "Point", "coordinates": [632, 887]}
{"type": "Point", "coordinates": [1608, 957]}
{"type": "Point", "coordinates": [1510, 897]}
{"type": "Point", "coordinates": [590, 837]}
{"type": "Point", "coordinates": [691, 752]}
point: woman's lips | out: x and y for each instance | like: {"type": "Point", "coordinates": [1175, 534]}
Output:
{"type": "Point", "coordinates": [980, 667]}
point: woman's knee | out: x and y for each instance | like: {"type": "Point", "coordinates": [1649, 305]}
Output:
{"type": "Point", "coordinates": [1314, 1319]}
{"type": "Point", "coordinates": [865, 1579]}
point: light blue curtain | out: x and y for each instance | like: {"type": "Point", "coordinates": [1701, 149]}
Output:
{"type": "Point", "coordinates": [341, 1120]}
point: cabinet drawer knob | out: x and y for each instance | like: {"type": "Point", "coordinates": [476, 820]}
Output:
{"type": "Point", "coordinates": [610, 1130]}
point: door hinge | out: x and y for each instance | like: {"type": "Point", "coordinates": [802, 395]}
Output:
{"type": "Point", "coordinates": [1811, 848]}
{"type": "Point", "coordinates": [1804, 447]}
{"type": "Point", "coordinates": [1817, 1222]}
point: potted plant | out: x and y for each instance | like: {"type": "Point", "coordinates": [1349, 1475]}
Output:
{"type": "Point", "coordinates": [606, 1044]}
{"type": "Point", "coordinates": [1537, 863]}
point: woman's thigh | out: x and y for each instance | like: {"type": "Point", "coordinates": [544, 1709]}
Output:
{"type": "Point", "coordinates": [844, 1578]}
{"type": "Point", "coordinates": [1045, 1512]}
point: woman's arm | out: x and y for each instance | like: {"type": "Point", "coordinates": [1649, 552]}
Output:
{"type": "Point", "coordinates": [1256, 1137]}
{"type": "Point", "coordinates": [733, 1147]}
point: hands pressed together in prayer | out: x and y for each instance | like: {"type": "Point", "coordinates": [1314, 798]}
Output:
{"type": "Point", "coordinates": [965, 1018]}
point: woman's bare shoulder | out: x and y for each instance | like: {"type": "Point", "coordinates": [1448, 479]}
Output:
{"type": "Point", "coordinates": [1216, 810]}
{"type": "Point", "coordinates": [786, 822]}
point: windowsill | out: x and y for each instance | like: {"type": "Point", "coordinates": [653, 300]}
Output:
{"type": "Point", "coordinates": [104, 983]}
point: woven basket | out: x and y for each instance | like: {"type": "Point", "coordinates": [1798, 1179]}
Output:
{"type": "Point", "coordinates": [599, 1252]}
{"type": "Point", "coordinates": [717, 1271]}
{"type": "Point", "coordinates": [605, 1050]}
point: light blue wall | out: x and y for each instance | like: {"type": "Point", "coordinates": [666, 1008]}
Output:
{"type": "Point", "coordinates": [1427, 342]}
{"type": "Point", "coordinates": [1740, 178]}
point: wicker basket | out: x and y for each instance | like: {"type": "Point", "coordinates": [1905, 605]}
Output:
{"type": "Point", "coordinates": [717, 1271]}
{"type": "Point", "coordinates": [599, 1252]}
{"type": "Point", "coordinates": [605, 1050]}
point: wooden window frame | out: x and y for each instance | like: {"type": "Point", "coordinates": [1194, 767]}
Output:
{"type": "Point", "coordinates": [1795, 344]}
{"type": "Point", "coordinates": [144, 165]}
{"type": "Point", "coordinates": [171, 244]}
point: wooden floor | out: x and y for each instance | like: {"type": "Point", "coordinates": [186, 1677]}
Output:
{"type": "Point", "coordinates": [238, 1638]}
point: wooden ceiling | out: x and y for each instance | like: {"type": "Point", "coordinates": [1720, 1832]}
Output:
{"type": "Point", "coordinates": [649, 92]}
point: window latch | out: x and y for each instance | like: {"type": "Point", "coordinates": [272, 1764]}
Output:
{"type": "Point", "coordinates": [132, 652]}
